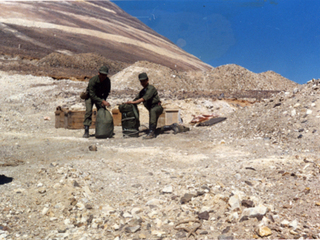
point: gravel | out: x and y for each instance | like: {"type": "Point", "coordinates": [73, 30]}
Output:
{"type": "Point", "coordinates": [231, 180]}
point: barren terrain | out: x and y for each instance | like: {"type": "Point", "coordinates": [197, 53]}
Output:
{"type": "Point", "coordinates": [254, 175]}
{"type": "Point", "coordinates": [251, 176]}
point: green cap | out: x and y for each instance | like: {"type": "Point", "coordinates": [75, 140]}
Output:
{"type": "Point", "coordinates": [104, 70]}
{"type": "Point", "coordinates": [143, 76]}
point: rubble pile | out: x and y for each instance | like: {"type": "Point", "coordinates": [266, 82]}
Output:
{"type": "Point", "coordinates": [228, 78]}
{"type": "Point", "coordinates": [290, 119]}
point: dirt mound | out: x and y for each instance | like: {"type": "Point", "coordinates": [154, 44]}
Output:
{"type": "Point", "coordinates": [232, 76]}
{"type": "Point", "coordinates": [64, 65]}
{"type": "Point", "coordinates": [290, 119]}
{"type": "Point", "coordinates": [229, 81]}
{"type": "Point", "coordinates": [88, 61]}
{"type": "Point", "coordinates": [227, 78]}
{"type": "Point", "coordinates": [160, 76]}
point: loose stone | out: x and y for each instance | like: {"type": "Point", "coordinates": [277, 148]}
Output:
{"type": "Point", "coordinates": [264, 231]}
{"type": "Point", "coordinates": [186, 198]}
{"type": "Point", "coordinates": [203, 215]}
{"type": "Point", "coordinates": [132, 229]}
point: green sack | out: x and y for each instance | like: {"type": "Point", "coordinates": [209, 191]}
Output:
{"type": "Point", "coordinates": [104, 124]}
{"type": "Point", "coordinates": [129, 120]}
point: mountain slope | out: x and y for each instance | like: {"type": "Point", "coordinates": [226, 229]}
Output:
{"type": "Point", "coordinates": [72, 39]}
{"type": "Point", "coordinates": [36, 29]}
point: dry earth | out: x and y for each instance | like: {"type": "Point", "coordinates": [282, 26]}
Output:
{"type": "Point", "coordinates": [254, 175]}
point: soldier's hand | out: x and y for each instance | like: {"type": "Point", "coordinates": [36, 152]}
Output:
{"type": "Point", "coordinates": [105, 103]}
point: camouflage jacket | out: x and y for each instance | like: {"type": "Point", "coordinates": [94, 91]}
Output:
{"type": "Point", "coordinates": [150, 96]}
{"type": "Point", "coordinates": [98, 91]}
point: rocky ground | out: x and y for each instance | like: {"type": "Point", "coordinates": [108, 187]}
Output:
{"type": "Point", "coordinates": [254, 175]}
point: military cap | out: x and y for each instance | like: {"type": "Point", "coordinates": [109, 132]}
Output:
{"type": "Point", "coordinates": [104, 70]}
{"type": "Point", "coordinates": [143, 76]}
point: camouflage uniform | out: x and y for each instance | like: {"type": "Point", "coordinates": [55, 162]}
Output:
{"type": "Point", "coordinates": [98, 92]}
{"type": "Point", "coordinates": [152, 103]}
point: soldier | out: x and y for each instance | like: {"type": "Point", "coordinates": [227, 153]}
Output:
{"type": "Point", "coordinates": [150, 98]}
{"type": "Point", "coordinates": [98, 90]}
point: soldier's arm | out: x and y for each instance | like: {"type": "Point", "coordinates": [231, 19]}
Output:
{"type": "Point", "coordinates": [136, 98]}
{"type": "Point", "coordinates": [136, 101]}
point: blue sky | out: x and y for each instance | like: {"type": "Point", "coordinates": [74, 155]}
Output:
{"type": "Point", "coordinates": [260, 35]}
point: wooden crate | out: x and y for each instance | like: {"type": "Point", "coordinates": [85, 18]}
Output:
{"type": "Point", "coordinates": [73, 119]}
{"type": "Point", "coordinates": [168, 117]}
{"type": "Point", "coordinates": [116, 114]}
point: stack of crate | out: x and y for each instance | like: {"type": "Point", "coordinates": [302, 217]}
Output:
{"type": "Point", "coordinates": [73, 119]}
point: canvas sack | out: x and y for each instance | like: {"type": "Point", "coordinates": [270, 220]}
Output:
{"type": "Point", "coordinates": [104, 124]}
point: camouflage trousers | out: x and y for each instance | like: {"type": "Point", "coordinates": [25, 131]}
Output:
{"type": "Point", "coordinates": [88, 115]}
{"type": "Point", "coordinates": [154, 114]}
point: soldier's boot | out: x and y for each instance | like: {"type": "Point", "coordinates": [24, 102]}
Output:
{"type": "Point", "coordinates": [86, 132]}
{"type": "Point", "coordinates": [151, 133]}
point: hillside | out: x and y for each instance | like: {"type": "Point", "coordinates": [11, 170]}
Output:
{"type": "Point", "coordinates": [34, 29]}
{"type": "Point", "coordinates": [67, 39]}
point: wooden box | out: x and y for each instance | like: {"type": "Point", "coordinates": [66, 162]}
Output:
{"type": "Point", "coordinates": [73, 119]}
{"type": "Point", "coordinates": [116, 114]}
{"type": "Point", "coordinates": [168, 117]}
